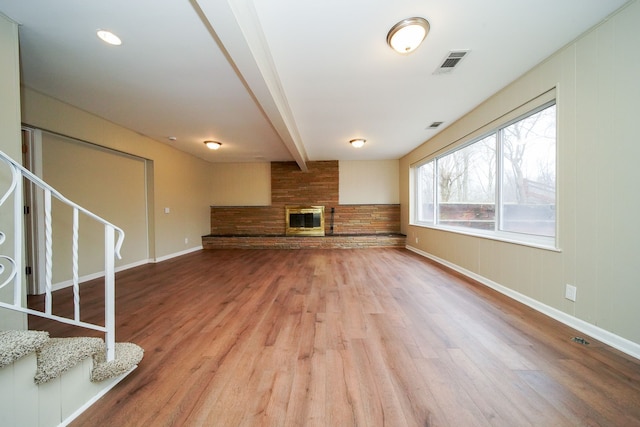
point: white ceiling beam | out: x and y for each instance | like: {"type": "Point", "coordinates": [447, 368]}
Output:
{"type": "Point", "coordinates": [235, 26]}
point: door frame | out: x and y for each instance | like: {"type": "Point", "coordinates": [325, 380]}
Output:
{"type": "Point", "coordinates": [34, 217]}
{"type": "Point", "coordinates": [34, 222]}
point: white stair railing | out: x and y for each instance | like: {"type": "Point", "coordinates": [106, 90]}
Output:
{"type": "Point", "coordinates": [13, 262]}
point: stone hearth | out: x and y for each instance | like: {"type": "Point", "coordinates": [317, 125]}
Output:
{"type": "Point", "coordinates": [336, 241]}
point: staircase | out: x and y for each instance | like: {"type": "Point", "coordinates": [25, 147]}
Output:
{"type": "Point", "coordinates": [50, 381]}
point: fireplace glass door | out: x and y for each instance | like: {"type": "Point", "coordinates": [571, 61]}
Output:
{"type": "Point", "coordinates": [304, 220]}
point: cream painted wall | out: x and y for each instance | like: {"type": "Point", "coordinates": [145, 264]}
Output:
{"type": "Point", "coordinates": [178, 181]}
{"type": "Point", "coordinates": [598, 148]}
{"type": "Point", "coordinates": [369, 182]}
{"type": "Point", "coordinates": [241, 184]}
{"type": "Point", "coordinates": [9, 88]}
{"type": "Point", "coordinates": [10, 144]}
{"type": "Point", "coordinates": [361, 182]}
{"type": "Point", "coordinates": [107, 183]}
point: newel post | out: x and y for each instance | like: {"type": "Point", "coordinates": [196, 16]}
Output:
{"type": "Point", "coordinates": [109, 291]}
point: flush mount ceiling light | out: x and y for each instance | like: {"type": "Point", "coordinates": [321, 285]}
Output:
{"type": "Point", "coordinates": [408, 34]}
{"type": "Point", "coordinates": [212, 145]}
{"type": "Point", "coordinates": [357, 143]}
{"type": "Point", "coordinates": [109, 37]}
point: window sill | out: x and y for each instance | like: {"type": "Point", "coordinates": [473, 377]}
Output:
{"type": "Point", "coordinates": [548, 244]}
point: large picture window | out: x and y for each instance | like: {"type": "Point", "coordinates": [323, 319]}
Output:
{"type": "Point", "coordinates": [466, 185]}
{"type": "Point", "coordinates": [501, 184]}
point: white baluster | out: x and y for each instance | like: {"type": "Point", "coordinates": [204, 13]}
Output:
{"type": "Point", "coordinates": [76, 287]}
{"type": "Point", "coordinates": [18, 213]}
{"type": "Point", "coordinates": [48, 251]}
{"type": "Point", "coordinates": [110, 291]}
{"type": "Point", "coordinates": [112, 249]}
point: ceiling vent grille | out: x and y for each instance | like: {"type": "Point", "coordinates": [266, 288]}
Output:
{"type": "Point", "coordinates": [451, 61]}
{"type": "Point", "coordinates": [434, 125]}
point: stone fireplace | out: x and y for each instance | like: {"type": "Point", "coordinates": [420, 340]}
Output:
{"type": "Point", "coordinates": [291, 218]}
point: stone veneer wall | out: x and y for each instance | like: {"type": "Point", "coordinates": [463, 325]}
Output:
{"type": "Point", "coordinates": [291, 186]}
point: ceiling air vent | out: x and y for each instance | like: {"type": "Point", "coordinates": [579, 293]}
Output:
{"type": "Point", "coordinates": [452, 59]}
{"type": "Point", "coordinates": [434, 125]}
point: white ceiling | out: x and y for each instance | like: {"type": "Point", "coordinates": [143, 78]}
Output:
{"type": "Point", "coordinates": [278, 80]}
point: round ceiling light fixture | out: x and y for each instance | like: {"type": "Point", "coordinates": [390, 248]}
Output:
{"type": "Point", "coordinates": [408, 34]}
{"type": "Point", "coordinates": [109, 37]}
{"type": "Point", "coordinates": [212, 145]}
{"type": "Point", "coordinates": [358, 142]}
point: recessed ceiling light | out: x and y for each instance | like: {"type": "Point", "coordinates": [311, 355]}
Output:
{"type": "Point", "coordinates": [109, 37]}
{"type": "Point", "coordinates": [172, 138]}
{"type": "Point", "coordinates": [358, 142]}
{"type": "Point", "coordinates": [408, 34]}
{"type": "Point", "coordinates": [212, 145]}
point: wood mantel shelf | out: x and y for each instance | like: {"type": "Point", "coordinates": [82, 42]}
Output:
{"type": "Point", "coordinates": [333, 241]}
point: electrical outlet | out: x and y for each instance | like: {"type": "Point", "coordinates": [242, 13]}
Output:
{"type": "Point", "coordinates": [416, 240]}
{"type": "Point", "coordinates": [570, 292]}
{"type": "Point", "coordinates": [186, 240]}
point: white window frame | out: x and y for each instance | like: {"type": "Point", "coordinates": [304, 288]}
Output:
{"type": "Point", "coordinates": [538, 241]}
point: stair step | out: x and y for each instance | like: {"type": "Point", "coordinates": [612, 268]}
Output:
{"type": "Point", "coordinates": [59, 355]}
{"type": "Point", "coordinates": [70, 375]}
{"type": "Point", "coordinates": [128, 355]}
{"type": "Point", "coordinates": [55, 356]}
{"type": "Point", "coordinates": [16, 344]}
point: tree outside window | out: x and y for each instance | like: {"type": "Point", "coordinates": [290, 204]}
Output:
{"type": "Point", "coordinates": [503, 182]}
{"type": "Point", "coordinates": [529, 178]}
{"type": "Point", "coordinates": [466, 183]}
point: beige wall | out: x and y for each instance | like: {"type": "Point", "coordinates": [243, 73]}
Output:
{"type": "Point", "coordinates": [9, 88]}
{"type": "Point", "coordinates": [107, 183]}
{"type": "Point", "coordinates": [360, 182]}
{"type": "Point", "coordinates": [598, 92]}
{"type": "Point", "coordinates": [171, 172]}
{"type": "Point", "coordinates": [10, 144]}
{"type": "Point", "coordinates": [369, 182]}
{"type": "Point", "coordinates": [241, 184]}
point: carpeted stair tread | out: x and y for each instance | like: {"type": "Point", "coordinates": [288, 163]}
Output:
{"type": "Point", "coordinates": [59, 355]}
{"type": "Point", "coordinates": [128, 355]}
{"type": "Point", "coordinates": [16, 344]}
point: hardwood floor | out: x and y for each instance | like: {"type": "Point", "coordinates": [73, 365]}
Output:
{"type": "Point", "coordinates": [373, 337]}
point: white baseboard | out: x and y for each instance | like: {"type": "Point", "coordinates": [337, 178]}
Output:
{"type": "Point", "coordinates": [177, 254]}
{"type": "Point", "coordinates": [99, 274]}
{"type": "Point", "coordinates": [624, 345]}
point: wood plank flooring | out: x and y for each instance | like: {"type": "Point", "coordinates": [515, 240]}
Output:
{"type": "Point", "coordinates": [372, 337]}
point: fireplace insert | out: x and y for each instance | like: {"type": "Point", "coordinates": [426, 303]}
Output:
{"type": "Point", "coordinates": [304, 220]}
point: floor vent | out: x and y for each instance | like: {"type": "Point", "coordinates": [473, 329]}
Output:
{"type": "Point", "coordinates": [451, 61]}
{"type": "Point", "coordinates": [580, 340]}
